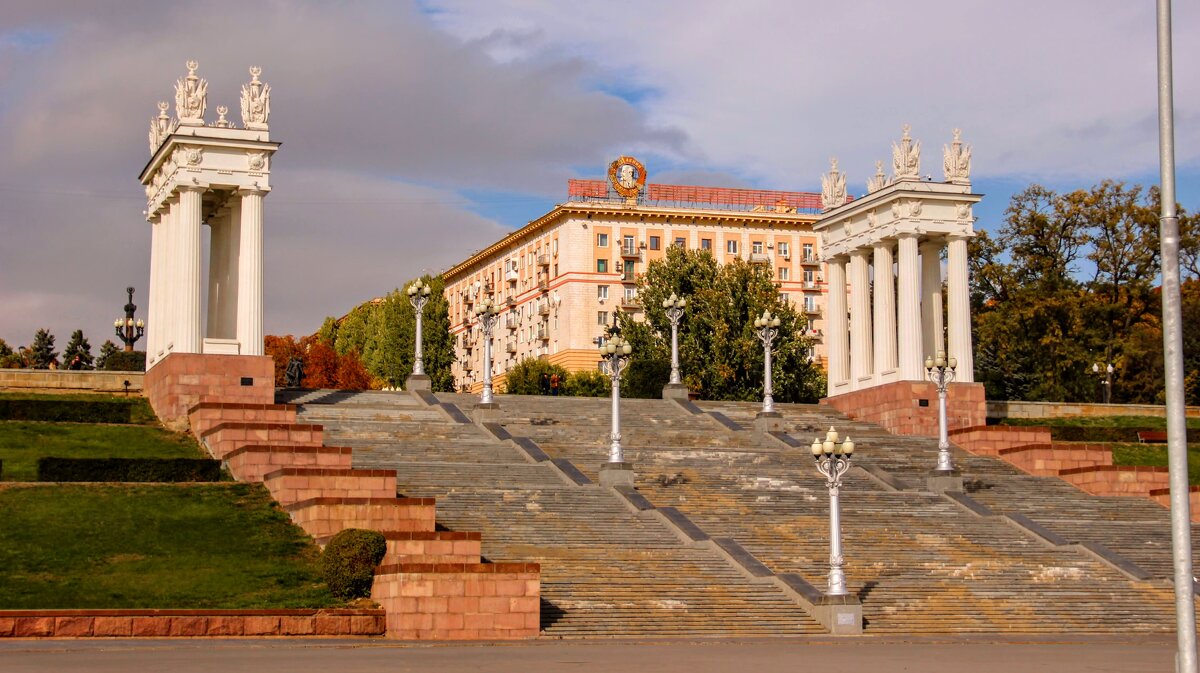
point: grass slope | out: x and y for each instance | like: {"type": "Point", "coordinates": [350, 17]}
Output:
{"type": "Point", "coordinates": [23, 442]}
{"type": "Point", "coordinates": [189, 546]}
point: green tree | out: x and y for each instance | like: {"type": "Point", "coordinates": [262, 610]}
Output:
{"type": "Point", "coordinates": [78, 347]}
{"type": "Point", "coordinates": [719, 352]}
{"type": "Point", "coordinates": [525, 378]}
{"type": "Point", "coordinates": [8, 358]}
{"type": "Point", "coordinates": [41, 351]}
{"type": "Point", "coordinates": [106, 351]}
{"type": "Point", "coordinates": [328, 331]}
{"type": "Point", "coordinates": [587, 383]}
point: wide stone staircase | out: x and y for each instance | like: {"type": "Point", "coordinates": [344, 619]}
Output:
{"type": "Point", "coordinates": [1016, 553]}
{"type": "Point", "coordinates": [606, 570]}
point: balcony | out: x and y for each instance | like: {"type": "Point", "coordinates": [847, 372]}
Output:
{"type": "Point", "coordinates": [631, 303]}
{"type": "Point", "coordinates": [760, 258]}
{"type": "Point", "coordinates": [809, 259]}
{"type": "Point", "coordinates": [544, 284]}
{"type": "Point", "coordinates": [510, 321]}
{"type": "Point", "coordinates": [510, 300]}
{"type": "Point", "coordinates": [467, 366]}
{"type": "Point", "coordinates": [512, 277]}
{"type": "Point", "coordinates": [511, 347]}
{"type": "Point", "coordinates": [544, 309]}
{"type": "Point", "coordinates": [543, 260]}
{"type": "Point", "coordinates": [810, 285]}
{"type": "Point", "coordinates": [812, 309]}
{"type": "Point", "coordinates": [489, 287]}
{"type": "Point", "coordinates": [543, 333]}
{"type": "Point", "coordinates": [628, 250]}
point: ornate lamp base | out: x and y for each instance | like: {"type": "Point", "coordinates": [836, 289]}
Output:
{"type": "Point", "coordinates": [616, 474]}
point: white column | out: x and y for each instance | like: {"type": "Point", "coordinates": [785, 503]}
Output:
{"type": "Point", "coordinates": [885, 309]}
{"type": "Point", "coordinates": [836, 338]}
{"type": "Point", "coordinates": [229, 307]}
{"type": "Point", "coordinates": [250, 273]}
{"type": "Point", "coordinates": [860, 319]}
{"type": "Point", "coordinates": [909, 313]}
{"type": "Point", "coordinates": [217, 232]}
{"type": "Point", "coordinates": [153, 316]}
{"type": "Point", "coordinates": [169, 299]}
{"type": "Point", "coordinates": [931, 298]}
{"type": "Point", "coordinates": [189, 339]}
{"type": "Point", "coordinates": [959, 308]}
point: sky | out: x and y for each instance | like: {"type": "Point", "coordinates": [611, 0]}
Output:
{"type": "Point", "coordinates": [415, 133]}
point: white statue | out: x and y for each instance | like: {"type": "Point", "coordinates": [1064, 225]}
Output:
{"type": "Point", "coordinates": [191, 97]}
{"type": "Point", "coordinates": [877, 181]}
{"type": "Point", "coordinates": [256, 102]}
{"type": "Point", "coordinates": [906, 157]}
{"type": "Point", "coordinates": [160, 127]}
{"type": "Point", "coordinates": [956, 161]}
{"type": "Point", "coordinates": [222, 122]}
{"type": "Point", "coordinates": [833, 187]}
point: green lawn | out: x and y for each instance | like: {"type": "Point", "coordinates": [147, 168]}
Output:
{"type": "Point", "coordinates": [188, 546]}
{"type": "Point", "coordinates": [1155, 455]}
{"type": "Point", "coordinates": [23, 442]}
{"type": "Point", "coordinates": [1151, 422]}
{"type": "Point", "coordinates": [141, 413]}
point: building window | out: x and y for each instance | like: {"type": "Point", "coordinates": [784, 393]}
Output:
{"type": "Point", "coordinates": [810, 304]}
{"type": "Point", "coordinates": [680, 243]}
{"type": "Point", "coordinates": [602, 318]}
{"type": "Point", "coordinates": [808, 252]}
{"type": "Point", "coordinates": [602, 240]}
{"type": "Point", "coordinates": [731, 247]}
{"type": "Point", "coordinates": [602, 266]}
{"type": "Point", "coordinates": [654, 242]}
{"type": "Point", "coordinates": [601, 292]}
{"type": "Point", "coordinates": [554, 246]}
{"type": "Point", "coordinates": [756, 247]}
{"type": "Point", "coordinates": [783, 297]}
{"type": "Point", "coordinates": [808, 278]}
{"type": "Point", "coordinates": [783, 273]}
{"type": "Point", "coordinates": [784, 249]}
{"type": "Point", "coordinates": [630, 294]}
{"type": "Point", "coordinates": [556, 270]}
{"type": "Point", "coordinates": [630, 270]}
{"type": "Point", "coordinates": [706, 244]}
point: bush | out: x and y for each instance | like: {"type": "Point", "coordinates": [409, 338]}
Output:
{"type": "Point", "coordinates": [69, 411]}
{"type": "Point", "coordinates": [349, 560]}
{"type": "Point", "coordinates": [526, 377]}
{"type": "Point", "coordinates": [122, 361]}
{"type": "Point", "coordinates": [1101, 433]}
{"type": "Point", "coordinates": [645, 378]}
{"type": "Point", "coordinates": [128, 469]}
{"type": "Point", "coordinates": [588, 383]}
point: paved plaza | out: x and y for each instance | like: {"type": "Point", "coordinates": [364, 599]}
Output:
{"type": "Point", "coordinates": [825, 655]}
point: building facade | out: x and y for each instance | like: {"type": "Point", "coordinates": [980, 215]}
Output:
{"type": "Point", "coordinates": [558, 280]}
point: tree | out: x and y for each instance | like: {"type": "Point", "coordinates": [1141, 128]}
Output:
{"type": "Point", "coordinates": [106, 351]}
{"type": "Point", "coordinates": [41, 351]}
{"type": "Point", "coordinates": [525, 378]}
{"type": "Point", "coordinates": [720, 355]}
{"type": "Point", "coordinates": [321, 363]}
{"type": "Point", "coordinates": [588, 383]}
{"type": "Point", "coordinates": [328, 331]}
{"type": "Point", "coordinates": [78, 347]}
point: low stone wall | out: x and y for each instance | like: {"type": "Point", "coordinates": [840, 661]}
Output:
{"type": "Point", "coordinates": [189, 623]}
{"type": "Point", "coordinates": [911, 407]}
{"type": "Point", "coordinates": [453, 601]}
{"type": "Point", "coordinates": [988, 440]}
{"type": "Point", "coordinates": [1019, 409]}
{"type": "Point", "coordinates": [64, 381]}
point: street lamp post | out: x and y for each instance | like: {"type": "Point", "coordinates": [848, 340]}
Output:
{"type": "Point", "coordinates": [674, 306]}
{"type": "Point", "coordinates": [129, 330]}
{"type": "Point", "coordinates": [615, 356]}
{"type": "Point", "coordinates": [486, 312]}
{"type": "Point", "coordinates": [833, 460]}
{"type": "Point", "coordinates": [766, 326]}
{"type": "Point", "coordinates": [418, 296]}
{"type": "Point", "coordinates": [1105, 376]}
{"type": "Point", "coordinates": [941, 371]}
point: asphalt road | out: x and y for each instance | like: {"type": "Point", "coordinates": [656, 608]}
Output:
{"type": "Point", "coordinates": [816, 655]}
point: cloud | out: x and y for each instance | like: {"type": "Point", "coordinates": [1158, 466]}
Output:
{"type": "Point", "coordinates": [771, 89]}
{"type": "Point", "coordinates": [383, 118]}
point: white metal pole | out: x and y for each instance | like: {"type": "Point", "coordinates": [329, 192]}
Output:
{"type": "Point", "coordinates": [1181, 534]}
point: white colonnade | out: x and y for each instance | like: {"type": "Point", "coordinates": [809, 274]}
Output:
{"type": "Point", "coordinates": [883, 255]}
{"type": "Point", "coordinates": [211, 174]}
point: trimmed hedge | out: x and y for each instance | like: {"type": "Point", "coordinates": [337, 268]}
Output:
{"type": "Point", "coordinates": [349, 560]}
{"type": "Point", "coordinates": [125, 362]}
{"type": "Point", "coordinates": [51, 468]}
{"type": "Point", "coordinates": [69, 411]}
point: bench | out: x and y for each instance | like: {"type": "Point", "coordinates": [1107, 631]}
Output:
{"type": "Point", "coordinates": [1152, 436]}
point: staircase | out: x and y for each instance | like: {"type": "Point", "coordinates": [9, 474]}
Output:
{"type": "Point", "coordinates": [920, 563]}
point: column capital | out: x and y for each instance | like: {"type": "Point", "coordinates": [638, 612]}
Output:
{"type": "Point", "coordinates": [861, 252]}
{"type": "Point", "coordinates": [959, 236]}
{"type": "Point", "coordinates": [196, 187]}
{"type": "Point", "coordinates": [251, 191]}
{"type": "Point", "coordinates": [904, 235]}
